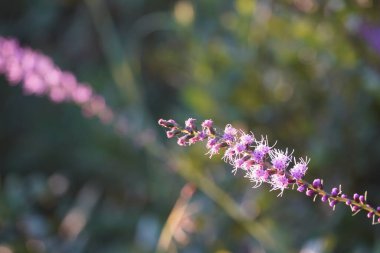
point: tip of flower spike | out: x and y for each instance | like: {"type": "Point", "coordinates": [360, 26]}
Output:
{"type": "Point", "coordinates": [162, 122]}
{"type": "Point", "coordinates": [167, 123]}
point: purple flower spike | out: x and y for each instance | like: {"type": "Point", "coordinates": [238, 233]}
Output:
{"type": "Point", "coordinates": [39, 76]}
{"type": "Point", "coordinates": [249, 155]}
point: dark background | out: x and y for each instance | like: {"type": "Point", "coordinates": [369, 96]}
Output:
{"type": "Point", "coordinates": [303, 72]}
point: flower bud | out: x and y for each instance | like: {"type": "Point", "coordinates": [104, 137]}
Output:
{"type": "Point", "coordinates": [310, 192]}
{"type": "Point", "coordinates": [334, 192]}
{"type": "Point", "coordinates": [167, 123]}
{"type": "Point", "coordinates": [301, 188]}
{"type": "Point", "coordinates": [317, 183]}
{"type": "Point", "coordinates": [333, 203]}
{"type": "Point", "coordinates": [324, 198]}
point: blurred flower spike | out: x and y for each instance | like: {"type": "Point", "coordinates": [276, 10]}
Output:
{"type": "Point", "coordinates": [39, 76]}
{"type": "Point", "coordinates": [261, 163]}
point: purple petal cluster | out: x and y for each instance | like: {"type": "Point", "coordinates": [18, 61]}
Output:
{"type": "Point", "coordinates": [262, 163]}
{"type": "Point", "coordinates": [40, 76]}
{"type": "Point", "coordinates": [299, 169]}
{"type": "Point", "coordinates": [280, 159]}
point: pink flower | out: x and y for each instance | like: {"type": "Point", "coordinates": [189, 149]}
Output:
{"type": "Point", "coordinates": [299, 169]}
{"type": "Point", "coordinates": [229, 133]}
{"type": "Point", "coordinates": [257, 175]}
{"type": "Point", "coordinates": [247, 139]}
{"type": "Point", "coordinates": [39, 76]}
{"type": "Point", "coordinates": [279, 182]}
{"type": "Point", "coordinates": [280, 159]}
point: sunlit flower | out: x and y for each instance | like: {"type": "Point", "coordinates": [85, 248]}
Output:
{"type": "Point", "coordinates": [251, 156]}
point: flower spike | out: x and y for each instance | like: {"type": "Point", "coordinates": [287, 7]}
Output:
{"type": "Point", "coordinates": [262, 163]}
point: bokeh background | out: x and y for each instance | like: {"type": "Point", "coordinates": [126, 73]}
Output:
{"type": "Point", "coordinates": [303, 72]}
